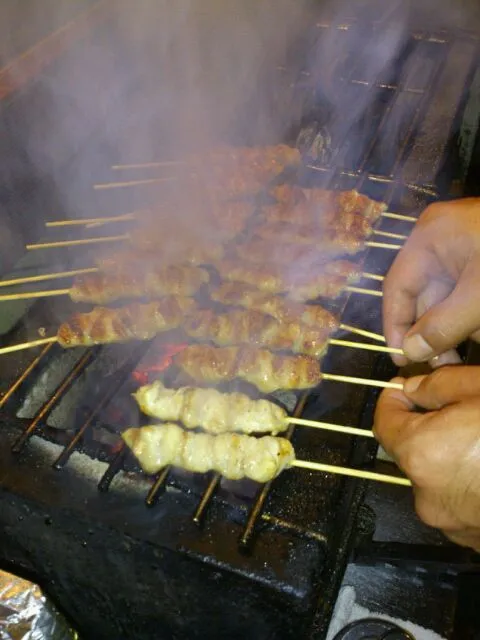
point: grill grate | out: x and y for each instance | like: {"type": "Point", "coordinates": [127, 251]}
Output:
{"type": "Point", "coordinates": [408, 103]}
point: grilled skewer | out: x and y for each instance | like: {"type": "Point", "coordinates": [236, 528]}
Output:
{"type": "Point", "coordinates": [232, 455]}
{"type": "Point", "coordinates": [246, 326]}
{"type": "Point", "coordinates": [101, 288]}
{"type": "Point", "coordinates": [243, 295]}
{"type": "Point", "coordinates": [332, 279]}
{"type": "Point", "coordinates": [136, 321]}
{"type": "Point", "coordinates": [232, 173]}
{"type": "Point", "coordinates": [213, 411]}
{"type": "Point", "coordinates": [217, 412]}
{"type": "Point", "coordinates": [267, 371]}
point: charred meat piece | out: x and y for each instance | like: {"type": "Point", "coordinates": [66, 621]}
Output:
{"type": "Point", "coordinates": [236, 294]}
{"type": "Point", "coordinates": [232, 455]}
{"type": "Point", "coordinates": [101, 288]}
{"type": "Point", "coordinates": [249, 327]}
{"type": "Point", "coordinates": [267, 371]}
{"type": "Point", "coordinates": [136, 321]}
{"type": "Point", "coordinates": [327, 280]}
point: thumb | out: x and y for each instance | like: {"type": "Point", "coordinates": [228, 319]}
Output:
{"type": "Point", "coordinates": [443, 387]}
{"type": "Point", "coordinates": [449, 322]}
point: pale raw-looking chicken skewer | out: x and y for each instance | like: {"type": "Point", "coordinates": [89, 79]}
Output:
{"type": "Point", "coordinates": [232, 455]}
{"type": "Point", "coordinates": [235, 456]}
{"type": "Point", "coordinates": [211, 410]}
{"type": "Point", "coordinates": [216, 412]}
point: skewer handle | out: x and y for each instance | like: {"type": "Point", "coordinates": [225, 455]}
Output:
{"type": "Point", "coordinates": [27, 345]}
{"type": "Point", "coordinates": [398, 216]}
{"type": "Point", "coordinates": [383, 245]}
{"type": "Point", "coordinates": [367, 292]}
{"type": "Point", "coordinates": [131, 183]}
{"type": "Point", "coordinates": [353, 473]}
{"type": "Point", "coordinates": [47, 276]}
{"type": "Point", "coordinates": [362, 332]}
{"type": "Point", "coordinates": [351, 431]}
{"type": "Point", "coordinates": [388, 234]}
{"type": "Point", "coordinates": [88, 221]}
{"type": "Point", "coordinates": [365, 381]}
{"type": "Point", "coordinates": [363, 345]}
{"type": "Point", "coordinates": [73, 243]}
{"type": "Point", "coordinates": [34, 294]}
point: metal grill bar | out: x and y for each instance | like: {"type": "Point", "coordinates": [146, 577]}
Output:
{"type": "Point", "coordinates": [45, 411]}
{"type": "Point", "coordinates": [112, 391]}
{"type": "Point", "coordinates": [113, 468]}
{"type": "Point", "coordinates": [158, 488]}
{"type": "Point", "coordinates": [256, 510]}
{"type": "Point", "coordinates": [21, 379]}
{"type": "Point", "coordinates": [206, 498]}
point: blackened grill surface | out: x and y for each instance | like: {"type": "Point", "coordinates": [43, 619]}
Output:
{"type": "Point", "coordinates": [122, 570]}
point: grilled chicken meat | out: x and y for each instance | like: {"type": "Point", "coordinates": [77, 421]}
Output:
{"type": "Point", "coordinates": [315, 204]}
{"type": "Point", "coordinates": [324, 239]}
{"type": "Point", "coordinates": [249, 327]}
{"type": "Point", "coordinates": [101, 288]}
{"type": "Point", "coordinates": [267, 371]}
{"type": "Point", "coordinates": [329, 280]}
{"type": "Point", "coordinates": [211, 410]}
{"type": "Point", "coordinates": [232, 455]}
{"type": "Point", "coordinates": [179, 253]}
{"type": "Point", "coordinates": [236, 294]}
{"type": "Point", "coordinates": [136, 321]}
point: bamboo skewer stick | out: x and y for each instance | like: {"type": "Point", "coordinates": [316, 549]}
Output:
{"type": "Point", "coordinates": [362, 332]}
{"type": "Point", "coordinates": [387, 234]}
{"type": "Point", "coordinates": [131, 183]}
{"type": "Point", "coordinates": [34, 294]}
{"type": "Point", "coordinates": [61, 292]}
{"type": "Point", "coordinates": [74, 243]}
{"type": "Point", "coordinates": [383, 245]}
{"type": "Point", "coordinates": [350, 431]}
{"type": "Point", "coordinates": [369, 292]}
{"type": "Point", "coordinates": [398, 216]}
{"type": "Point", "coordinates": [354, 473]}
{"type": "Point", "coordinates": [373, 276]}
{"type": "Point", "coordinates": [126, 236]}
{"type": "Point", "coordinates": [47, 276]}
{"type": "Point", "coordinates": [27, 345]}
{"type": "Point", "coordinates": [370, 383]}
{"type": "Point", "coordinates": [88, 221]}
{"type": "Point", "coordinates": [147, 165]}
{"type": "Point", "coordinates": [365, 346]}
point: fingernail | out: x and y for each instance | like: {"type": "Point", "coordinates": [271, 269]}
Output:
{"type": "Point", "coordinates": [417, 348]}
{"type": "Point", "coordinates": [411, 384]}
{"type": "Point", "coordinates": [449, 357]}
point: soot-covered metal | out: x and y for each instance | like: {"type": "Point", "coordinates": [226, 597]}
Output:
{"type": "Point", "coordinates": [210, 558]}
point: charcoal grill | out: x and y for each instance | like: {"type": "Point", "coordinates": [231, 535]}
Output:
{"type": "Point", "coordinates": [210, 558]}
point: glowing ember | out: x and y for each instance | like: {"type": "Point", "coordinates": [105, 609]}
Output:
{"type": "Point", "coordinates": [144, 374]}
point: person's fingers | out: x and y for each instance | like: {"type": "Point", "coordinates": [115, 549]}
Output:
{"type": "Point", "coordinates": [450, 357]}
{"type": "Point", "coordinates": [393, 415]}
{"type": "Point", "coordinates": [448, 323]}
{"type": "Point", "coordinates": [410, 274]}
{"type": "Point", "coordinates": [442, 387]}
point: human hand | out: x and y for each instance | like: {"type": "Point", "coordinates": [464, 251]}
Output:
{"type": "Point", "coordinates": [431, 299]}
{"type": "Point", "coordinates": [438, 450]}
